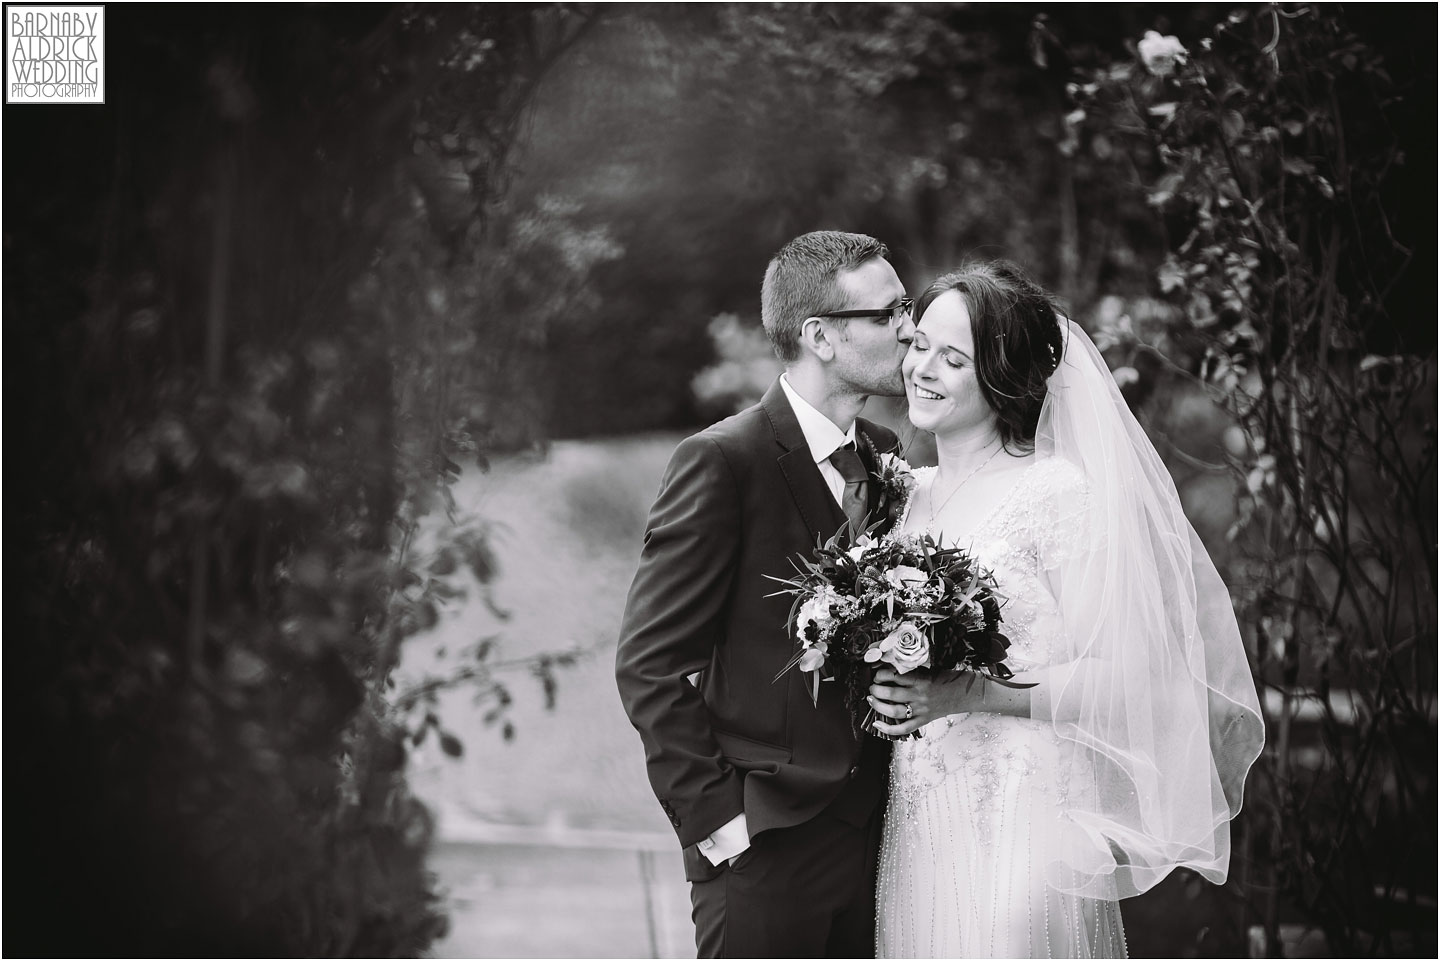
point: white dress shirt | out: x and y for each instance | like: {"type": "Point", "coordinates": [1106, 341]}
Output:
{"type": "Point", "coordinates": [823, 438]}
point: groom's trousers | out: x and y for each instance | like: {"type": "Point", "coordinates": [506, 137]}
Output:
{"type": "Point", "coordinates": [801, 892]}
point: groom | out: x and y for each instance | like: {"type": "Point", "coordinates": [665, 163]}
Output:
{"type": "Point", "coordinates": [776, 803]}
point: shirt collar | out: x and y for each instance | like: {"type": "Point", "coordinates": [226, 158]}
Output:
{"type": "Point", "coordinates": [821, 434]}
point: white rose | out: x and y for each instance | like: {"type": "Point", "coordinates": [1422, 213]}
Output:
{"type": "Point", "coordinates": [903, 576]}
{"type": "Point", "coordinates": [905, 648]}
{"type": "Point", "coordinates": [1161, 54]}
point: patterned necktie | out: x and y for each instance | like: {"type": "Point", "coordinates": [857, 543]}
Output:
{"type": "Point", "coordinates": [852, 468]}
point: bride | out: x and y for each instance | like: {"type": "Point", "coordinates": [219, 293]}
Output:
{"type": "Point", "coordinates": [1021, 817]}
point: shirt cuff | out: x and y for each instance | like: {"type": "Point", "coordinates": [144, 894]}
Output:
{"type": "Point", "coordinates": [727, 841]}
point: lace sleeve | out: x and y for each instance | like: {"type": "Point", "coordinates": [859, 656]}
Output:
{"type": "Point", "coordinates": [1063, 504]}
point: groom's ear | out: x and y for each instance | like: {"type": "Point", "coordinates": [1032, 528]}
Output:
{"type": "Point", "coordinates": [817, 337]}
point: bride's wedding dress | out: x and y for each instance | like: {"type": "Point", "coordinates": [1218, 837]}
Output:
{"type": "Point", "coordinates": [969, 866]}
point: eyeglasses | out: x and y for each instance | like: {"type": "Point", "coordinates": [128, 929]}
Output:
{"type": "Point", "coordinates": [900, 312]}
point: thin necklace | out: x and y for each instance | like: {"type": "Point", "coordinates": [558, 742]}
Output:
{"type": "Point", "coordinates": [930, 492]}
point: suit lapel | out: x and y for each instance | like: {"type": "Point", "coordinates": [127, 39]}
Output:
{"type": "Point", "coordinates": [813, 498]}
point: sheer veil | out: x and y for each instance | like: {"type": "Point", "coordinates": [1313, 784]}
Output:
{"type": "Point", "coordinates": [1154, 704]}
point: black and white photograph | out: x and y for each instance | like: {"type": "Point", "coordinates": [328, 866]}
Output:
{"type": "Point", "coordinates": [720, 480]}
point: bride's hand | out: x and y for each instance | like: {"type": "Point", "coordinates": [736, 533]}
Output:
{"type": "Point", "coordinates": [915, 699]}
{"type": "Point", "coordinates": [907, 702]}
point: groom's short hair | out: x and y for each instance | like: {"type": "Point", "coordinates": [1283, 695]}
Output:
{"type": "Point", "coordinates": [801, 282]}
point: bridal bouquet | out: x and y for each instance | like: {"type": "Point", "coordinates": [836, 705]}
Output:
{"type": "Point", "coordinates": [898, 600]}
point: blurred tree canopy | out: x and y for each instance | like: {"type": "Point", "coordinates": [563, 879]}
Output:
{"type": "Point", "coordinates": [702, 138]}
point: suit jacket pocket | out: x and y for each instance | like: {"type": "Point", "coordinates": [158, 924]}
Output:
{"type": "Point", "coordinates": [748, 754]}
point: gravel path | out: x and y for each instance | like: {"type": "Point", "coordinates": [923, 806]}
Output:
{"type": "Point", "coordinates": [551, 844]}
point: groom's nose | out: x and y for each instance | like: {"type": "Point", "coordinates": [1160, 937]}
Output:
{"type": "Point", "coordinates": [906, 331]}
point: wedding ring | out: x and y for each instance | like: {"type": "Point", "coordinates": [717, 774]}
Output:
{"type": "Point", "coordinates": [909, 711]}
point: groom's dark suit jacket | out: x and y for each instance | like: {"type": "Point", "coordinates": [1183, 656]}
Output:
{"type": "Point", "coordinates": [738, 501]}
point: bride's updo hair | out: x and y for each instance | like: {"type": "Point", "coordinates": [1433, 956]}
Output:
{"type": "Point", "coordinates": [1018, 342]}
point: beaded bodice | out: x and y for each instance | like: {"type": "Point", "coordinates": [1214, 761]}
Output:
{"type": "Point", "coordinates": [1035, 526]}
{"type": "Point", "coordinates": [1031, 529]}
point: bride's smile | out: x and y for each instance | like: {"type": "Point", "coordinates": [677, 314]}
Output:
{"type": "Point", "coordinates": [939, 369]}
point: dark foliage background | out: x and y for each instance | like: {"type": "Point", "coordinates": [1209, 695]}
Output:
{"type": "Point", "coordinates": [247, 294]}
